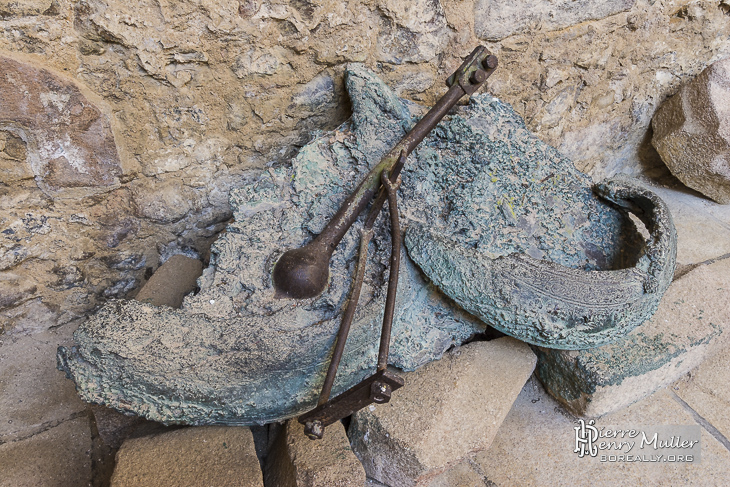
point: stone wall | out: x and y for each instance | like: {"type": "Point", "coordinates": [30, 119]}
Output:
{"type": "Point", "coordinates": [125, 124]}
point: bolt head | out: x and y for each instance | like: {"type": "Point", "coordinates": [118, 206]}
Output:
{"type": "Point", "coordinates": [477, 77]}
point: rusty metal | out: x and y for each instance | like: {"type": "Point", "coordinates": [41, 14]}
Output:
{"type": "Point", "coordinates": [375, 389]}
{"type": "Point", "coordinates": [366, 236]}
{"type": "Point", "coordinates": [327, 412]}
{"type": "Point", "coordinates": [304, 272]}
{"type": "Point", "coordinates": [391, 188]}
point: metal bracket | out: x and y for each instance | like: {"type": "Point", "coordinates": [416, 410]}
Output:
{"type": "Point", "coordinates": [375, 389]}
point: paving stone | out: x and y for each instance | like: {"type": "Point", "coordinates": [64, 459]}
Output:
{"type": "Point", "coordinates": [535, 447]}
{"type": "Point", "coordinates": [692, 321]}
{"type": "Point", "coordinates": [706, 390]}
{"type": "Point", "coordinates": [55, 457]}
{"type": "Point", "coordinates": [171, 282]}
{"type": "Point", "coordinates": [691, 132]}
{"type": "Point", "coordinates": [33, 394]}
{"type": "Point", "coordinates": [703, 226]}
{"type": "Point", "coordinates": [198, 456]}
{"type": "Point", "coordinates": [297, 461]}
{"type": "Point", "coordinates": [447, 410]}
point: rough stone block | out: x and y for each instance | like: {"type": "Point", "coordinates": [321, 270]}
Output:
{"type": "Point", "coordinates": [693, 319]}
{"type": "Point", "coordinates": [210, 455]}
{"type": "Point", "coordinates": [297, 461]}
{"type": "Point", "coordinates": [692, 132]}
{"type": "Point", "coordinates": [56, 456]}
{"type": "Point", "coordinates": [535, 447]}
{"type": "Point", "coordinates": [171, 282]}
{"type": "Point", "coordinates": [446, 411]}
{"type": "Point", "coordinates": [23, 8]}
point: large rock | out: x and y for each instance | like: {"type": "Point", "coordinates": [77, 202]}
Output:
{"type": "Point", "coordinates": [296, 461]}
{"type": "Point", "coordinates": [692, 132]}
{"type": "Point", "coordinates": [446, 411]}
{"type": "Point", "coordinates": [692, 321]}
{"type": "Point", "coordinates": [212, 455]}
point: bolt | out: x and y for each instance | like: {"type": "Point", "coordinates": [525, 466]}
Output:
{"type": "Point", "coordinates": [478, 77]}
{"type": "Point", "coordinates": [490, 62]}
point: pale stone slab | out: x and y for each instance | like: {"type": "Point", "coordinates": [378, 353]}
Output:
{"type": "Point", "coordinates": [171, 282]}
{"type": "Point", "coordinates": [535, 447]}
{"type": "Point", "coordinates": [707, 390]}
{"type": "Point", "coordinates": [297, 461]}
{"type": "Point", "coordinates": [461, 475]}
{"type": "Point", "coordinates": [209, 455]}
{"type": "Point", "coordinates": [446, 411]}
{"type": "Point", "coordinates": [56, 457]}
{"type": "Point", "coordinates": [692, 321]}
{"type": "Point", "coordinates": [33, 394]}
{"type": "Point", "coordinates": [703, 226]}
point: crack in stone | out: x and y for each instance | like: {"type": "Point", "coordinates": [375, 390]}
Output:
{"type": "Point", "coordinates": [703, 422]}
{"type": "Point", "coordinates": [44, 427]}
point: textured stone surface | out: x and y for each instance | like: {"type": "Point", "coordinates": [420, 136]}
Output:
{"type": "Point", "coordinates": [705, 390]}
{"type": "Point", "coordinates": [26, 7]}
{"type": "Point", "coordinates": [691, 322]}
{"type": "Point", "coordinates": [446, 411]}
{"type": "Point", "coordinates": [34, 396]}
{"type": "Point", "coordinates": [461, 475]}
{"type": "Point", "coordinates": [201, 96]}
{"type": "Point", "coordinates": [171, 282]}
{"type": "Point", "coordinates": [212, 455]}
{"type": "Point", "coordinates": [535, 447]}
{"type": "Point", "coordinates": [297, 461]}
{"type": "Point", "coordinates": [692, 132]}
{"type": "Point", "coordinates": [65, 218]}
{"type": "Point", "coordinates": [54, 129]}
{"type": "Point", "coordinates": [495, 20]}
{"type": "Point", "coordinates": [246, 344]}
{"type": "Point", "coordinates": [544, 303]}
{"type": "Point", "coordinates": [57, 456]}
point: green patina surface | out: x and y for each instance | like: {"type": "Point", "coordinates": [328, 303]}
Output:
{"type": "Point", "coordinates": [235, 355]}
